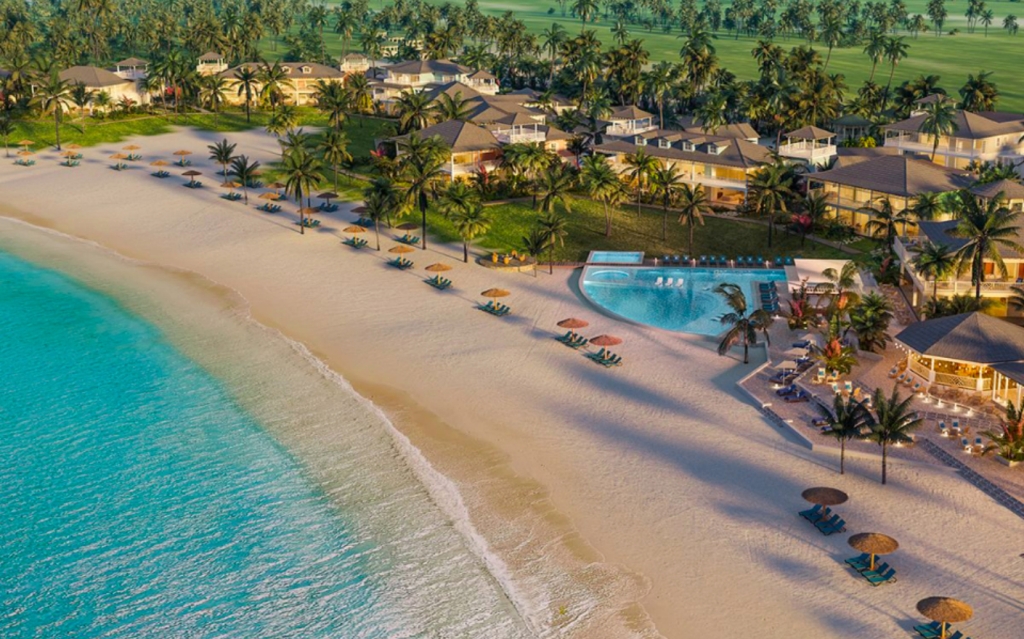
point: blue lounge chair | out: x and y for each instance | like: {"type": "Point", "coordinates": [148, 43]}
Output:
{"type": "Point", "coordinates": [788, 261]}
{"type": "Point", "coordinates": [787, 390]}
{"type": "Point", "coordinates": [929, 630]}
{"type": "Point", "coordinates": [811, 513]}
{"type": "Point", "coordinates": [665, 259]}
{"type": "Point", "coordinates": [797, 398]}
{"type": "Point", "coordinates": [860, 563]}
{"type": "Point", "coordinates": [879, 578]}
{"type": "Point", "coordinates": [834, 525]}
{"type": "Point", "coordinates": [703, 260]}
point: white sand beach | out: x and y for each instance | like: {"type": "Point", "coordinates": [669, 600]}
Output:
{"type": "Point", "coordinates": [648, 500]}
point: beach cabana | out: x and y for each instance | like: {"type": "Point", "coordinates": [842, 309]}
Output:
{"type": "Point", "coordinates": [972, 352]}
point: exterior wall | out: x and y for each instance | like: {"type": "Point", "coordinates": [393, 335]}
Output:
{"type": "Point", "coordinates": [128, 90]}
{"type": "Point", "coordinates": [957, 152]}
{"type": "Point", "coordinates": [724, 184]}
{"type": "Point", "coordinates": [846, 203]}
{"type": "Point", "coordinates": [300, 93]}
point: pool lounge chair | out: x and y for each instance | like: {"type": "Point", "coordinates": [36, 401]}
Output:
{"type": "Point", "coordinates": [659, 281]}
{"type": "Point", "coordinates": [760, 262]}
{"type": "Point", "coordinates": [788, 261]}
{"type": "Point", "coordinates": [722, 261]}
{"type": "Point", "coordinates": [355, 242]}
{"type": "Point", "coordinates": [778, 262]}
{"type": "Point", "coordinates": [686, 260]}
{"type": "Point", "coordinates": [798, 397]}
{"type": "Point", "coordinates": [668, 282]}
{"type": "Point", "coordinates": [787, 390]}
{"type": "Point", "coordinates": [703, 260]}
{"type": "Point", "coordinates": [664, 259]}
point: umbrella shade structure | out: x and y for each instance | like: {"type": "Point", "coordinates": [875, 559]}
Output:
{"type": "Point", "coordinates": [574, 323]}
{"type": "Point", "coordinates": [401, 249]}
{"type": "Point", "coordinates": [493, 293]}
{"type": "Point", "coordinates": [359, 210]}
{"type": "Point", "coordinates": [355, 228]}
{"type": "Point", "coordinates": [270, 195]}
{"type": "Point", "coordinates": [327, 196]}
{"type": "Point", "coordinates": [606, 340]}
{"type": "Point", "coordinates": [438, 268]}
{"type": "Point", "coordinates": [25, 143]}
{"type": "Point", "coordinates": [73, 147]}
{"type": "Point", "coordinates": [26, 153]}
{"type": "Point", "coordinates": [131, 147]}
{"type": "Point", "coordinates": [181, 153]}
{"type": "Point", "coordinates": [873, 544]}
{"type": "Point", "coordinates": [191, 175]}
{"type": "Point", "coordinates": [945, 610]}
{"type": "Point", "coordinates": [158, 163]}
{"type": "Point", "coordinates": [231, 185]}
{"type": "Point", "coordinates": [118, 156]}
{"type": "Point", "coordinates": [68, 154]}
{"type": "Point", "coordinates": [408, 226]}
{"type": "Point", "coordinates": [276, 185]}
{"type": "Point", "coordinates": [796, 352]}
{"type": "Point", "coordinates": [825, 496]}
{"type": "Point", "coordinates": [787, 365]}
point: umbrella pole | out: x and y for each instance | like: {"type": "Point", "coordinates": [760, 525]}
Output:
{"type": "Point", "coordinates": [943, 635]}
{"type": "Point", "coordinates": [872, 566]}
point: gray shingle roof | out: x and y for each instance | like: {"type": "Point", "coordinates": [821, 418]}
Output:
{"type": "Point", "coordinates": [1011, 190]}
{"type": "Point", "coordinates": [970, 337]}
{"type": "Point", "coordinates": [459, 136]}
{"type": "Point", "coordinates": [810, 133]}
{"type": "Point", "coordinates": [972, 126]}
{"type": "Point", "coordinates": [132, 62]}
{"type": "Point", "coordinates": [898, 175]}
{"type": "Point", "coordinates": [92, 77]}
{"type": "Point", "coordinates": [939, 233]}
{"type": "Point", "coordinates": [445, 67]}
{"type": "Point", "coordinates": [733, 152]}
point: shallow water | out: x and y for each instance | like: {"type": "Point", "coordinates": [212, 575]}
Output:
{"type": "Point", "coordinates": [146, 497]}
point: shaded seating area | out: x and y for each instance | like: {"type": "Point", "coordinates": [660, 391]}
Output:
{"type": "Point", "coordinates": [161, 174]}
{"type": "Point", "coordinates": [870, 545]}
{"type": "Point", "coordinates": [401, 263]}
{"type": "Point", "coordinates": [355, 242]}
{"type": "Point", "coordinates": [823, 518]}
{"type": "Point", "coordinates": [571, 338]}
{"type": "Point", "coordinates": [495, 308]}
{"type": "Point", "coordinates": [942, 611]}
{"type": "Point", "coordinates": [605, 357]}
{"type": "Point", "coordinates": [309, 223]}
{"type": "Point", "coordinates": [438, 282]}
{"type": "Point", "coordinates": [269, 207]}
{"type": "Point", "coordinates": [408, 239]}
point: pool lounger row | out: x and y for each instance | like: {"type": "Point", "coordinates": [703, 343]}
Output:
{"type": "Point", "coordinates": [661, 281]}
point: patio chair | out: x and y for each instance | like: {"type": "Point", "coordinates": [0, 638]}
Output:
{"type": "Point", "coordinates": [659, 281]}
{"type": "Point", "coordinates": [811, 513]}
{"type": "Point", "coordinates": [943, 429]}
{"type": "Point", "coordinates": [966, 444]}
{"type": "Point", "coordinates": [929, 630]}
{"type": "Point", "coordinates": [832, 527]}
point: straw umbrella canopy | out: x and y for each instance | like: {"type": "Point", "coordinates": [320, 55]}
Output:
{"type": "Point", "coordinates": [191, 175]}
{"type": "Point", "coordinates": [359, 210]}
{"type": "Point", "coordinates": [354, 228]}
{"type": "Point", "coordinates": [230, 184]}
{"type": "Point", "coordinates": [276, 185]}
{"type": "Point", "coordinates": [181, 153]}
{"type": "Point", "coordinates": [158, 163]}
{"type": "Point", "coordinates": [270, 195]}
{"type": "Point", "coordinates": [438, 268]}
{"type": "Point", "coordinates": [408, 226]}
{"type": "Point", "coordinates": [572, 323]}
{"type": "Point", "coordinates": [795, 352]}
{"type": "Point", "coordinates": [307, 211]}
{"type": "Point", "coordinates": [824, 496]}
{"type": "Point", "coordinates": [327, 196]}
{"type": "Point", "coordinates": [873, 544]}
{"type": "Point", "coordinates": [68, 154]}
{"type": "Point", "coordinates": [26, 153]}
{"type": "Point", "coordinates": [494, 293]}
{"type": "Point", "coordinates": [606, 340]}
{"type": "Point", "coordinates": [401, 250]}
{"type": "Point", "coordinates": [25, 143]}
{"type": "Point", "coordinates": [131, 147]}
{"type": "Point", "coordinates": [73, 147]}
{"type": "Point", "coordinates": [945, 610]}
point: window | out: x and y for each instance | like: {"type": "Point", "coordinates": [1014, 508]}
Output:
{"type": "Point", "coordinates": [687, 146]}
{"type": "Point", "coordinates": [307, 70]}
{"type": "Point", "coordinates": [663, 143]}
{"type": "Point", "coordinates": [286, 69]}
{"type": "Point", "coordinates": [640, 140]}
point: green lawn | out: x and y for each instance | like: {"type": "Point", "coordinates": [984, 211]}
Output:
{"type": "Point", "coordinates": [729, 237]}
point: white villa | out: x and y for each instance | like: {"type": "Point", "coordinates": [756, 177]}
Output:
{"type": "Point", "coordinates": [422, 75]}
{"type": "Point", "coordinates": [988, 136]}
{"type": "Point", "coordinates": [100, 80]}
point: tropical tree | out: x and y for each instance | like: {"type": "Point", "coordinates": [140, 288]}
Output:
{"type": "Point", "coordinates": [382, 199]}
{"type": "Point", "coordinates": [883, 222]}
{"type": "Point", "coordinates": [642, 166]}
{"type": "Point", "coordinates": [934, 261]}
{"type": "Point", "coordinates": [979, 93]}
{"type": "Point", "coordinates": [248, 85]}
{"type": "Point", "coordinates": [302, 175]}
{"type": "Point", "coordinates": [1008, 440]}
{"type": "Point", "coordinates": [451, 107]}
{"type": "Point", "coordinates": [939, 120]}
{"type": "Point", "coordinates": [422, 168]}
{"type": "Point", "coordinates": [603, 184]}
{"type": "Point", "coordinates": [870, 319]}
{"type": "Point", "coordinates": [535, 244]}
{"type": "Point", "coordinates": [986, 228]}
{"type": "Point", "coordinates": [555, 228]}
{"type": "Point", "coordinates": [693, 205]}
{"type": "Point", "coordinates": [666, 184]}
{"type": "Point", "coordinates": [333, 149]}
{"type": "Point", "coordinates": [222, 153]}
{"type": "Point", "coordinates": [273, 81]}
{"type": "Point", "coordinates": [838, 285]}
{"type": "Point", "coordinates": [892, 420]}
{"type": "Point", "coordinates": [927, 206]}
{"type": "Point", "coordinates": [414, 110]}
{"type": "Point", "coordinates": [584, 10]}
{"type": "Point", "coordinates": [53, 97]}
{"type": "Point", "coordinates": [6, 130]}
{"type": "Point", "coordinates": [771, 190]}
{"type": "Point", "coordinates": [743, 326]}
{"type": "Point", "coordinates": [245, 172]}
{"type": "Point", "coordinates": [81, 96]}
{"type": "Point", "coordinates": [554, 187]}
{"type": "Point", "coordinates": [469, 223]}
{"type": "Point", "coordinates": [213, 89]}
{"type": "Point", "coordinates": [847, 420]}
{"type": "Point", "coordinates": [332, 99]}
{"type": "Point", "coordinates": [458, 198]}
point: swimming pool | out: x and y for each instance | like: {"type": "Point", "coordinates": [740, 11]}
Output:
{"type": "Point", "coordinates": [692, 307]}
{"type": "Point", "coordinates": [616, 257]}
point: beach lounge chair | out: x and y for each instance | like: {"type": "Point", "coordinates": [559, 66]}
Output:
{"type": "Point", "coordinates": [703, 260]}
{"type": "Point", "coordinates": [676, 260]}
{"type": "Point", "coordinates": [679, 282]}
{"type": "Point", "coordinates": [909, 381]}
{"type": "Point", "coordinates": [686, 260]}
{"type": "Point", "coordinates": [820, 377]}
{"type": "Point", "coordinates": [759, 262]}
{"type": "Point", "coordinates": [815, 513]}
{"type": "Point", "coordinates": [798, 397]}
{"type": "Point", "coordinates": [893, 372]}
{"type": "Point", "coordinates": [835, 389]}
{"type": "Point", "coordinates": [787, 390]}
{"type": "Point", "coordinates": [782, 377]}
{"type": "Point", "coordinates": [722, 261]}
{"type": "Point", "coordinates": [902, 376]}
{"type": "Point", "coordinates": [778, 262]}
{"type": "Point", "coordinates": [918, 388]}
{"type": "Point", "coordinates": [834, 525]}
{"type": "Point", "coordinates": [788, 261]}
{"type": "Point", "coordinates": [442, 283]}
{"type": "Point", "coordinates": [668, 282]}
{"type": "Point", "coordinates": [664, 259]}
{"type": "Point", "coordinates": [979, 445]}
{"type": "Point", "coordinates": [803, 344]}
{"type": "Point", "coordinates": [860, 563]}
{"type": "Point", "coordinates": [943, 430]}
{"type": "Point", "coordinates": [822, 522]}
{"type": "Point", "coordinates": [929, 630]}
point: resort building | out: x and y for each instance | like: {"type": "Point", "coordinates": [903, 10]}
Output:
{"type": "Point", "coordinates": [973, 352]}
{"type": "Point", "coordinates": [521, 128]}
{"type": "Point", "coordinates": [863, 181]}
{"type": "Point", "coordinates": [722, 165]}
{"type": "Point", "coordinates": [132, 69]}
{"type": "Point", "coordinates": [302, 76]}
{"type": "Point", "coordinates": [355, 63]}
{"type": "Point", "coordinates": [211, 63]}
{"type": "Point", "coordinates": [102, 81]}
{"type": "Point", "coordinates": [734, 130]}
{"type": "Point", "coordinates": [628, 120]}
{"type": "Point", "coordinates": [474, 149]}
{"type": "Point", "coordinates": [989, 136]}
{"type": "Point", "coordinates": [423, 75]}
{"type": "Point", "coordinates": [851, 127]}
{"type": "Point", "coordinates": [809, 145]}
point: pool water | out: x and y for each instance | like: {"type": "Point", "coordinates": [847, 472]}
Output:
{"type": "Point", "coordinates": [692, 307]}
{"type": "Point", "coordinates": [616, 257]}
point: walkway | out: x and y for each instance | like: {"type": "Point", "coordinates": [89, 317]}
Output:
{"type": "Point", "coordinates": [995, 492]}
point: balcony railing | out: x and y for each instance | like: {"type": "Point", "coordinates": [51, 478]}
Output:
{"type": "Point", "coordinates": [507, 137]}
{"type": "Point", "coordinates": [807, 150]}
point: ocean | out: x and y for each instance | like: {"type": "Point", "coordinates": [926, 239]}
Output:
{"type": "Point", "coordinates": [250, 494]}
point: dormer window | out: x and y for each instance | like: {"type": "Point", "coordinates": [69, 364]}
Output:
{"type": "Point", "coordinates": [714, 149]}
{"type": "Point", "coordinates": [640, 140]}
{"type": "Point", "coordinates": [286, 69]}
{"type": "Point", "coordinates": [687, 146]}
{"type": "Point", "coordinates": [663, 143]}
{"type": "Point", "coordinates": [307, 70]}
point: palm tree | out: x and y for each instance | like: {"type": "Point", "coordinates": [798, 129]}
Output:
{"type": "Point", "coordinates": [927, 206]}
{"type": "Point", "coordinates": [666, 183]}
{"type": "Point", "coordinates": [895, 51]}
{"type": "Point", "coordinates": [360, 97]}
{"type": "Point", "coordinates": [883, 222]}
{"type": "Point", "coordinates": [939, 120]}
{"type": "Point", "coordinates": [535, 244]}
{"type": "Point", "coordinates": [333, 149]}
{"type": "Point", "coordinates": [6, 130]}
{"type": "Point", "coordinates": [555, 228]}
{"type": "Point", "coordinates": [603, 184]}
{"type": "Point", "coordinates": [554, 186]}
{"type": "Point", "coordinates": [245, 171]}
{"type": "Point", "coordinates": [934, 261]}
{"type": "Point", "coordinates": [693, 206]}
{"type": "Point", "coordinates": [447, 107]}
{"type": "Point", "coordinates": [53, 97]}
{"type": "Point", "coordinates": [641, 167]}
{"type": "Point", "coordinates": [248, 85]}
{"type": "Point", "coordinates": [332, 98]}
{"type": "Point", "coordinates": [273, 81]}
{"type": "Point", "coordinates": [213, 89]}
{"type": "Point", "coordinates": [585, 10]}
{"type": "Point", "coordinates": [222, 153]}
{"type": "Point", "coordinates": [469, 223]}
{"type": "Point", "coordinates": [815, 207]}
{"type": "Point", "coordinates": [891, 422]}
{"type": "Point", "coordinates": [382, 198]}
{"type": "Point", "coordinates": [979, 93]}
{"type": "Point", "coordinates": [414, 111]}
{"type": "Point", "coordinates": [770, 190]}
{"type": "Point", "coordinates": [422, 167]}
{"type": "Point", "coordinates": [1016, 299]}
{"type": "Point", "coordinates": [457, 198]}
{"type": "Point", "coordinates": [987, 228]}
{"type": "Point", "coordinates": [81, 96]}
{"type": "Point", "coordinates": [838, 283]}
{"type": "Point", "coordinates": [302, 175]}
{"type": "Point", "coordinates": [870, 319]}
{"type": "Point", "coordinates": [845, 422]}
{"type": "Point", "coordinates": [743, 328]}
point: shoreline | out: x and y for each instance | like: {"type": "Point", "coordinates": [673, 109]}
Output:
{"type": "Point", "coordinates": [666, 494]}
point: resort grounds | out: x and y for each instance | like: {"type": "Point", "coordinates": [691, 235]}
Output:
{"type": "Point", "coordinates": [652, 499]}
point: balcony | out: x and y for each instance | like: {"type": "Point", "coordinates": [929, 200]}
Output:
{"type": "Point", "coordinates": [808, 150]}
{"type": "Point", "coordinates": [519, 136]}
{"type": "Point", "coordinates": [630, 127]}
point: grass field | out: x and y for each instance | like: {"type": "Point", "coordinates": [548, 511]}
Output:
{"type": "Point", "coordinates": [951, 57]}
{"type": "Point", "coordinates": [630, 232]}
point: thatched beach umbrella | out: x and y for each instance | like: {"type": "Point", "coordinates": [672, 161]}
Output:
{"type": "Point", "coordinates": [359, 210]}
{"type": "Point", "coordinates": [131, 147]}
{"type": "Point", "coordinates": [158, 163]}
{"type": "Point", "coordinates": [494, 293]}
{"type": "Point", "coordinates": [401, 249]}
{"type": "Point", "coordinates": [873, 544]}
{"type": "Point", "coordinates": [191, 175]}
{"type": "Point", "coordinates": [25, 143]}
{"type": "Point", "coordinates": [354, 228]}
{"type": "Point", "coordinates": [606, 340]}
{"type": "Point", "coordinates": [824, 496]}
{"type": "Point", "coordinates": [408, 226]}
{"type": "Point", "coordinates": [304, 212]}
{"type": "Point", "coordinates": [270, 195]}
{"type": "Point", "coordinates": [572, 323]}
{"type": "Point", "coordinates": [118, 156]}
{"type": "Point", "coordinates": [73, 147]}
{"type": "Point", "coordinates": [69, 155]}
{"type": "Point", "coordinates": [230, 184]}
{"type": "Point", "coordinates": [945, 610]}
{"type": "Point", "coordinates": [276, 185]}
{"type": "Point", "coordinates": [181, 153]}
{"type": "Point", "coordinates": [327, 196]}
{"type": "Point", "coordinates": [438, 268]}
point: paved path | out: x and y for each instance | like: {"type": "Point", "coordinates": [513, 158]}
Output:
{"type": "Point", "coordinates": [995, 492]}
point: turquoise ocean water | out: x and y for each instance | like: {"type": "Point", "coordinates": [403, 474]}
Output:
{"type": "Point", "coordinates": [140, 500]}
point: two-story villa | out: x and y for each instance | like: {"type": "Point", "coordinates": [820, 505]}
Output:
{"type": "Point", "coordinates": [303, 78]}
{"type": "Point", "coordinates": [423, 75]}
{"type": "Point", "coordinates": [722, 165]}
{"type": "Point", "coordinates": [988, 136]}
{"type": "Point", "coordinates": [100, 80]}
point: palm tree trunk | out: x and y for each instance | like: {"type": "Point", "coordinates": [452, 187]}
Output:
{"type": "Point", "coordinates": [874, 65]}
{"type": "Point", "coordinates": [335, 178]}
{"type": "Point", "coordinates": [607, 221]}
{"type": "Point", "coordinates": [376, 229]}
{"type": "Point", "coordinates": [664, 224]}
{"type": "Point", "coordinates": [935, 288]}
{"type": "Point", "coordinates": [465, 251]}
{"type": "Point", "coordinates": [842, 456]}
{"type": "Point", "coordinates": [56, 126]}
{"type": "Point", "coordinates": [746, 351]}
{"type": "Point", "coordinates": [247, 101]}
{"type": "Point", "coordinates": [884, 459]}
{"type": "Point", "coordinates": [423, 213]}
{"type": "Point", "coordinates": [551, 259]}
{"type": "Point", "coordinates": [690, 246]}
